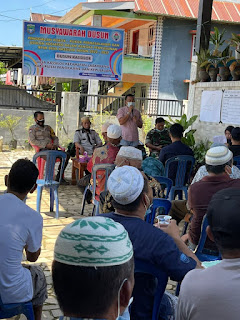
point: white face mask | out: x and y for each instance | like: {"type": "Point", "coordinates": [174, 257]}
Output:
{"type": "Point", "coordinates": [132, 103]}
{"type": "Point", "coordinates": [118, 315]}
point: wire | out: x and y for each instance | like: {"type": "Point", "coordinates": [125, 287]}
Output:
{"type": "Point", "coordinates": [13, 10]}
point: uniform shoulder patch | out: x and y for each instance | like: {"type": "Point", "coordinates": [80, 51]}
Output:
{"type": "Point", "coordinates": [184, 258]}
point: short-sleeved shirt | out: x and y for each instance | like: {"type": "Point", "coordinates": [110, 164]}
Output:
{"type": "Point", "coordinates": [19, 226]}
{"type": "Point", "coordinates": [157, 138]}
{"type": "Point", "coordinates": [154, 246]}
{"type": "Point", "coordinates": [129, 128]}
{"type": "Point", "coordinates": [40, 136]}
{"type": "Point", "coordinates": [88, 139]}
{"type": "Point", "coordinates": [235, 150]}
{"type": "Point", "coordinates": [211, 293]}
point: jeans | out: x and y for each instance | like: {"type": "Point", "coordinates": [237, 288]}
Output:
{"type": "Point", "coordinates": [129, 143]}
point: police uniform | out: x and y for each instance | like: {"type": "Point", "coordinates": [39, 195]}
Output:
{"type": "Point", "coordinates": [40, 136]}
{"type": "Point", "coordinates": [88, 139]}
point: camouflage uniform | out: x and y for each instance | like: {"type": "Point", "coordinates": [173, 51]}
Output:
{"type": "Point", "coordinates": [157, 138]}
{"type": "Point", "coordinates": [40, 136]}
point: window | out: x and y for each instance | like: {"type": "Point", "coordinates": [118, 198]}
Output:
{"type": "Point", "coordinates": [194, 38]}
{"type": "Point", "coordinates": [151, 40]}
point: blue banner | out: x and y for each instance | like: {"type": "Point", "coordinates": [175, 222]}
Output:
{"type": "Point", "coordinates": [72, 51]}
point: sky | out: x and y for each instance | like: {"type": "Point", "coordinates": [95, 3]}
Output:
{"type": "Point", "coordinates": [13, 12]}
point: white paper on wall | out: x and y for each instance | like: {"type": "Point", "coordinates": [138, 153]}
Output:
{"type": "Point", "coordinates": [231, 107]}
{"type": "Point", "coordinates": [211, 106]}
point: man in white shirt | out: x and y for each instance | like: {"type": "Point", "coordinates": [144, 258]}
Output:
{"type": "Point", "coordinates": [213, 293]}
{"type": "Point", "coordinates": [21, 228]}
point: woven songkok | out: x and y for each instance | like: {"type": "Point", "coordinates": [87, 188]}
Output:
{"type": "Point", "coordinates": [125, 184]}
{"type": "Point", "coordinates": [93, 242]}
{"type": "Point", "coordinates": [218, 155]}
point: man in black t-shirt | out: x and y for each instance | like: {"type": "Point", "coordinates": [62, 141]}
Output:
{"type": "Point", "coordinates": [235, 147]}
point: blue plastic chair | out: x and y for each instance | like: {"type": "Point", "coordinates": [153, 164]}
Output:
{"type": "Point", "coordinates": [48, 181]}
{"type": "Point", "coordinates": [236, 161]}
{"type": "Point", "coordinates": [108, 168]}
{"type": "Point", "coordinates": [184, 166]}
{"type": "Point", "coordinates": [13, 309]}
{"type": "Point", "coordinates": [199, 251]}
{"type": "Point", "coordinates": [162, 278]}
{"type": "Point", "coordinates": [166, 183]}
{"type": "Point", "coordinates": [158, 203]}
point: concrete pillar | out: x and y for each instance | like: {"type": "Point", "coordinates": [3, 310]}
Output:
{"type": "Point", "coordinates": [92, 83]}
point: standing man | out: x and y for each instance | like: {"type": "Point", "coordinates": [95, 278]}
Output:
{"type": "Point", "coordinates": [157, 138]}
{"type": "Point", "coordinates": [21, 230]}
{"type": "Point", "coordinates": [130, 120]}
{"type": "Point", "coordinates": [43, 137]}
{"type": "Point", "coordinates": [85, 138]}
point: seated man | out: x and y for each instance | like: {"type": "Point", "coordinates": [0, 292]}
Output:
{"type": "Point", "coordinates": [165, 249]}
{"type": "Point", "coordinates": [219, 166]}
{"type": "Point", "coordinates": [157, 138]}
{"type": "Point", "coordinates": [21, 229]}
{"type": "Point", "coordinates": [177, 148]}
{"type": "Point", "coordinates": [104, 131]}
{"type": "Point", "coordinates": [105, 154]}
{"type": "Point", "coordinates": [85, 138]}
{"type": "Point", "coordinates": [213, 293]}
{"type": "Point", "coordinates": [235, 147]}
{"type": "Point", "coordinates": [93, 269]}
{"type": "Point", "coordinates": [43, 137]}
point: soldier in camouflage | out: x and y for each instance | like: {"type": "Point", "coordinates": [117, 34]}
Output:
{"type": "Point", "coordinates": [157, 138]}
{"type": "Point", "coordinates": [43, 137]}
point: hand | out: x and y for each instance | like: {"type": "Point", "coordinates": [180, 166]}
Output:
{"type": "Point", "coordinates": [171, 229]}
{"type": "Point", "coordinates": [130, 109]}
{"type": "Point", "coordinates": [158, 148]}
{"type": "Point", "coordinates": [185, 237]}
{"type": "Point", "coordinates": [49, 146]}
{"type": "Point", "coordinates": [82, 150]}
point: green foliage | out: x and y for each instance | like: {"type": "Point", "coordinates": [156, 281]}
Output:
{"type": "Point", "coordinates": [59, 120]}
{"type": "Point", "coordinates": [200, 151]}
{"type": "Point", "coordinates": [216, 39]}
{"type": "Point", "coordinates": [10, 122]}
{"type": "Point", "coordinates": [203, 56]}
{"type": "Point", "coordinates": [235, 42]}
{"type": "Point", "coordinates": [147, 125]}
{"type": "Point", "coordinates": [29, 122]}
{"type": "Point", "coordinates": [66, 86]}
{"type": "Point", "coordinates": [188, 137]}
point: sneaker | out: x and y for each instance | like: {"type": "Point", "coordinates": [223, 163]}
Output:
{"type": "Point", "coordinates": [64, 182]}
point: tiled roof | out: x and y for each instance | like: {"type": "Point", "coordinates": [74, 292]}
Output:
{"type": "Point", "coordinates": [42, 17]}
{"type": "Point", "coordinates": [222, 11]}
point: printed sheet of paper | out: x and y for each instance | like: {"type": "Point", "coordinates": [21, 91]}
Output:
{"type": "Point", "coordinates": [211, 106]}
{"type": "Point", "coordinates": [231, 107]}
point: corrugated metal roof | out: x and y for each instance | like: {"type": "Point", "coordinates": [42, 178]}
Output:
{"type": "Point", "coordinates": [42, 17]}
{"type": "Point", "coordinates": [222, 11]}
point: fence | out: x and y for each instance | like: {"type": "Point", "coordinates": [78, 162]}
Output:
{"type": "Point", "coordinates": [151, 107]}
{"type": "Point", "coordinates": [12, 97]}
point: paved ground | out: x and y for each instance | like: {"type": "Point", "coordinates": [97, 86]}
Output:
{"type": "Point", "coordinates": [70, 199]}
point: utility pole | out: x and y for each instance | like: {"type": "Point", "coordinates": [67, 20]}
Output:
{"type": "Point", "coordinates": [204, 24]}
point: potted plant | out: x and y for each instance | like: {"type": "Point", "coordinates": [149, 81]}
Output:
{"type": "Point", "coordinates": [211, 66]}
{"type": "Point", "coordinates": [10, 122]}
{"type": "Point", "coordinates": [224, 71]}
{"type": "Point", "coordinates": [29, 122]}
{"type": "Point", "coordinates": [235, 42]}
{"type": "Point", "coordinates": [203, 56]}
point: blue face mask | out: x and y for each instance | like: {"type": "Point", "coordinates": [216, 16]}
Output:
{"type": "Point", "coordinates": [148, 211]}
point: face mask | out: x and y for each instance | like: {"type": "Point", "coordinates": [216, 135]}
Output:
{"type": "Point", "coordinates": [118, 315]}
{"type": "Point", "coordinates": [232, 171]}
{"type": "Point", "coordinates": [129, 104]}
{"type": "Point", "coordinates": [126, 315]}
{"type": "Point", "coordinates": [40, 123]}
{"type": "Point", "coordinates": [160, 130]}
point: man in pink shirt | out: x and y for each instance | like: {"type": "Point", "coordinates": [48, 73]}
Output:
{"type": "Point", "coordinates": [130, 120]}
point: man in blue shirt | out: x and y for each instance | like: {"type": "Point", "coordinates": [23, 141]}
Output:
{"type": "Point", "coordinates": [164, 249]}
{"type": "Point", "coordinates": [176, 148]}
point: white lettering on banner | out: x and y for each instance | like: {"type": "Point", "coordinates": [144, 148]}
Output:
{"type": "Point", "coordinates": [74, 57]}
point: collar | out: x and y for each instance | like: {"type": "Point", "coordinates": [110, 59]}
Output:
{"type": "Point", "coordinates": [110, 145]}
{"type": "Point", "coordinates": [86, 130]}
{"type": "Point", "coordinates": [217, 178]}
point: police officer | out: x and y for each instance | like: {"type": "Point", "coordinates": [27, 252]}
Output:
{"type": "Point", "coordinates": [44, 138]}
